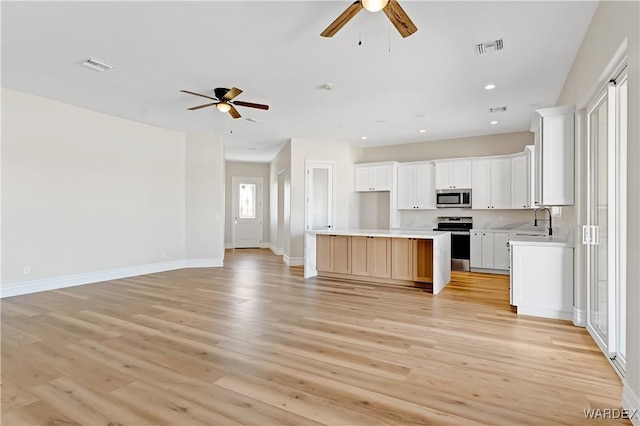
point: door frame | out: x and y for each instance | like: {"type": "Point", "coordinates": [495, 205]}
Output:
{"type": "Point", "coordinates": [308, 189]}
{"type": "Point", "coordinates": [235, 180]}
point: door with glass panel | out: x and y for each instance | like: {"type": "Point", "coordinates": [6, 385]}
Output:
{"type": "Point", "coordinates": [605, 231]}
{"type": "Point", "coordinates": [319, 196]}
{"type": "Point", "coordinates": [246, 211]}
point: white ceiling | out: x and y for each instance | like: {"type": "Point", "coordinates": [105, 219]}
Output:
{"type": "Point", "coordinates": [432, 80]}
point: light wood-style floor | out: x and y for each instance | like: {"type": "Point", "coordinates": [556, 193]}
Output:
{"type": "Point", "coordinates": [255, 343]}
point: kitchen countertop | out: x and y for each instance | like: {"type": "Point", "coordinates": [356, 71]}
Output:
{"type": "Point", "coordinates": [397, 233]}
{"type": "Point", "coordinates": [564, 239]}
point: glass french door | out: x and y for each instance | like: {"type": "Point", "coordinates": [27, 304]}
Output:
{"type": "Point", "coordinates": [605, 231]}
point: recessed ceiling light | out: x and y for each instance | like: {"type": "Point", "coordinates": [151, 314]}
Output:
{"type": "Point", "coordinates": [252, 149]}
{"type": "Point", "coordinates": [493, 122]}
{"type": "Point", "coordinates": [380, 121]}
{"type": "Point", "coordinates": [423, 131]}
{"type": "Point", "coordinates": [420, 115]}
{"type": "Point", "coordinates": [363, 138]}
{"type": "Point", "coordinates": [489, 87]}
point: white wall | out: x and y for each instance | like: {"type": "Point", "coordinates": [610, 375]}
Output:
{"type": "Point", "coordinates": [84, 191]}
{"type": "Point", "coordinates": [613, 23]}
{"type": "Point", "coordinates": [247, 169]}
{"type": "Point", "coordinates": [88, 196]}
{"type": "Point", "coordinates": [477, 146]}
{"type": "Point", "coordinates": [204, 204]}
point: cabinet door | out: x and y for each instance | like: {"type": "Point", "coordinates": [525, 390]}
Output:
{"type": "Point", "coordinates": [324, 255]}
{"type": "Point", "coordinates": [402, 259]}
{"type": "Point", "coordinates": [380, 257]}
{"type": "Point", "coordinates": [425, 189]}
{"type": "Point", "coordinates": [461, 174]}
{"type": "Point", "coordinates": [363, 179]}
{"type": "Point", "coordinates": [360, 256]}
{"type": "Point", "coordinates": [443, 175]}
{"type": "Point", "coordinates": [406, 187]}
{"type": "Point", "coordinates": [423, 260]}
{"type": "Point", "coordinates": [487, 250]}
{"type": "Point", "coordinates": [481, 186]}
{"type": "Point", "coordinates": [476, 250]}
{"type": "Point", "coordinates": [501, 250]}
{"type": "Point", "coordinates": [381, 178]}
{"type": "Point", "coordinates": [519, 183]}
{"type": "Point", "coordinates": [341, 254]}
{"type": "Point", "coordinates": [500, 183]}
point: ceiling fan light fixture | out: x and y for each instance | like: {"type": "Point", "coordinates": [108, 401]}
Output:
{"type": "Point", "coordinates": [374, 5]}
{"type": "Point", "coordinates": [223, 107]}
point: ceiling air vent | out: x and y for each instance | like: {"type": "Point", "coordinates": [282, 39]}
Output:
{"type": "Point", "coordinates": [96, 65]}
{"type": "Point", "coordinates": [498, 109]}
{"type": "Point", "coordinates": [489, 46]}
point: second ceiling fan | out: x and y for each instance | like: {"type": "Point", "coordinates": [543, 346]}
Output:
{"type": "Point", "coordinates": [224, 101]}
{"type": "Point", "coordinates": [391, 8]}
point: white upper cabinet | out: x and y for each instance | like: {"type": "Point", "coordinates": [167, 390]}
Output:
{"type": "Point", "coordinates": [491, 188]}
{"type": "Point", "coordinates": [522, 179]}
{"type": "Point", "coordinates": [373, 176]}
{"type": "Point", "coordinates": [416, 186]}
{"type": "Point", "coordinates": [553, 130]}
{"type": "Point", "coordinates": [454, 174]}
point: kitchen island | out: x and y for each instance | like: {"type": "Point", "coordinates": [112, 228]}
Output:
{"type": "Point", "coordinates": [402, 257]}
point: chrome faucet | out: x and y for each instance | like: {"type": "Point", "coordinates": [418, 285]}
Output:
{"type": "Point", "coordinates": [535, 218]}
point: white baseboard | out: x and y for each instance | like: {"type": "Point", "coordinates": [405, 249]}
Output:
{"type": "Point", "coordinates": [545, 313]}
{"type": "Point", "coordinates": [277, 251]}
{"type": "Point", "coordinates": [293, 261]}
{"type": "Point", "coordinates": [203, 263]}
{"type": "Point", "coordinates": [228, 246]}
{"type": "Point", "coordinates": [579, 317]}
{"type": "Point", "coordinates": [99, 276]}
{"type": "Point", "coordinates": [631, 402]}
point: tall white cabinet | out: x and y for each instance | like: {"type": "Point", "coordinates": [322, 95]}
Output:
{"type": "Point", "coordinates": [491, 183]}
{"type": "Point", "coordinates": [453, 174]}
{"type": "Point", "coordinates": [522, 179]}
{"type": "Point", "coordinates": [416, 186]}
{"type": "Point", "coordinates": [553, 130]}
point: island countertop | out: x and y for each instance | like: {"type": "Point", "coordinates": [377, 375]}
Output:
{"type": "Point", "coordinates": [441, 260]}
{"type": "Point", "coordinates": [394, 233]}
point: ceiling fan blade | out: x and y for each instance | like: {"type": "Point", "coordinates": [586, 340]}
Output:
{"type": "Point", "coordinates": [198, 94]}
{"type": "Point", "coordinates": [202, 106]}
{"type": "Point", "coordinates": [234, 112]}
{"type": "Point", "coordinates": [341, 20]}
{"type": "Point", "coordinates": [399, 18]}
{"type": "Point", "coordinates": [251, 105]}
{"type": "Point", "coordinates": [232, 93]}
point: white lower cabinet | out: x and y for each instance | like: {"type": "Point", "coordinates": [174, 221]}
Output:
{"type": "Point", "coordinates": [490, 250]}
{"type": "Point", "coordinates": [542, 280]}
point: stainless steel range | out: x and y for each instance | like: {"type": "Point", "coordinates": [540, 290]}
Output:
{"type": "Point", "coordinates": [460, 228]}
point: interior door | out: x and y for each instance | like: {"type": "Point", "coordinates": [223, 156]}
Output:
{"type": "Point", "coordinates": [319, 196]}
{"type": "Point", "coordinates": [247, 211]}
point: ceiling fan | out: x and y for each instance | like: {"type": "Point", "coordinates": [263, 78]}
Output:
{"type": "Point", "coordinates": [391, 8]}
{"type": "Point", "coordinates": [224, 101]}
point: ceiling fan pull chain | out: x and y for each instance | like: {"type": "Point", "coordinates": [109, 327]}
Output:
{"type": "Point", "coordinates": [389, 36]}
{"type": "Point", "coordinates": [360, 31]}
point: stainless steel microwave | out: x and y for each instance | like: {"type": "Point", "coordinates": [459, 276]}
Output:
{"type": "Point", "coordinates": [453, 198]}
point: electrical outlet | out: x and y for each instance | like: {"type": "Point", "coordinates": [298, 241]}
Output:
{"type": "Point", "coordinates": [26, 270]}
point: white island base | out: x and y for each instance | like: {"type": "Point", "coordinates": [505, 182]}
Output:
{"type": "Point", "coordinates": [381, 256]}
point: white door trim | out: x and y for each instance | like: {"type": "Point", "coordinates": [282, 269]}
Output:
{"type": "Point", "coordinates": [235, 181]}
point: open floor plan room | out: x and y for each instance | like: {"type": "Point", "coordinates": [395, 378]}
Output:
{"type": "Point", "coordinates": [256, 343]}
